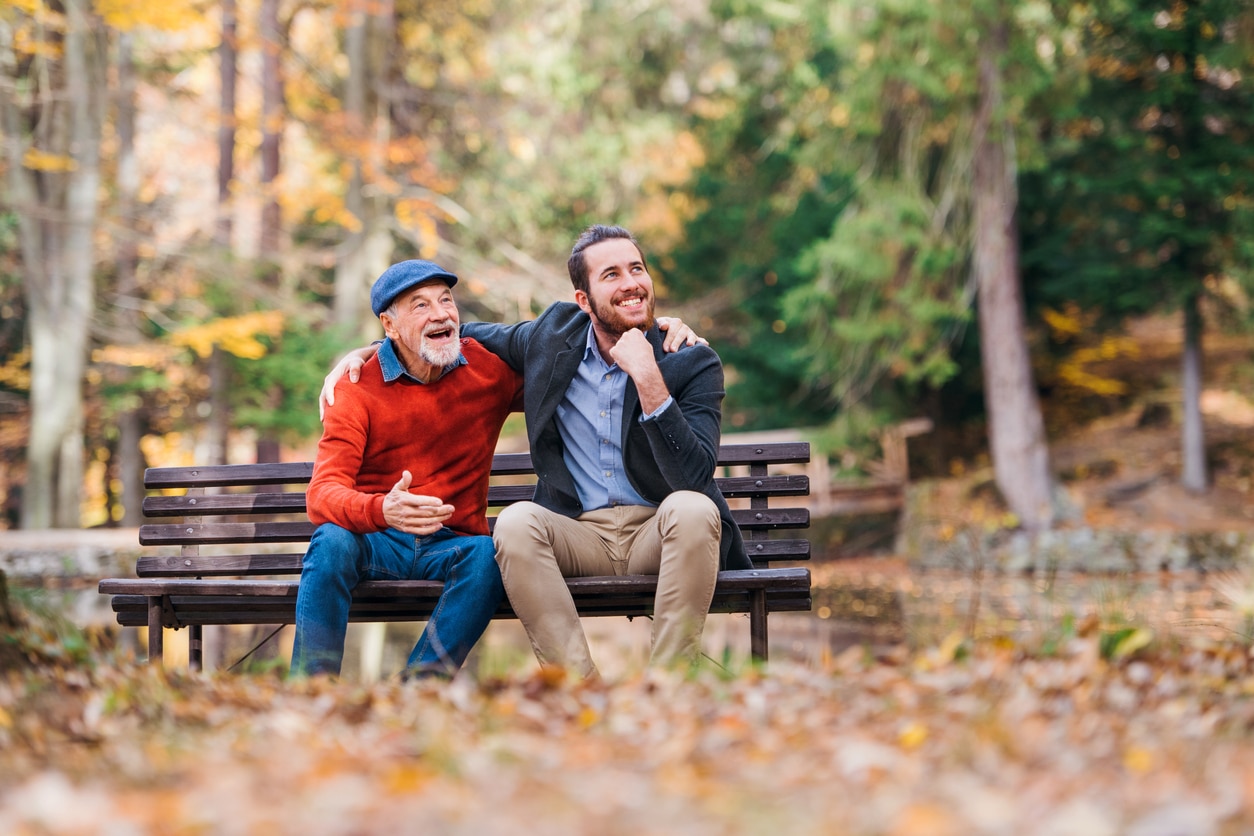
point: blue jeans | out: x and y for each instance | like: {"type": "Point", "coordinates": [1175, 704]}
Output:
{"type": "Point", "coordinates": [338, 559]}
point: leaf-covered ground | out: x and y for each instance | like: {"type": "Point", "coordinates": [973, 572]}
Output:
{"type": "Point", "coordinates": [1100, 732]}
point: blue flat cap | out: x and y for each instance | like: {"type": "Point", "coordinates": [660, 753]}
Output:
{"type": "Point", "coordinates": [400, 277]}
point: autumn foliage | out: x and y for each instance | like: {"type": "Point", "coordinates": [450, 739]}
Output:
{"type": "Point", "coordinates": [1096, 733]}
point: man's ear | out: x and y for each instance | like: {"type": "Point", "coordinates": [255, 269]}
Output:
{"type": "Point", "coordinates": [581, 299]}
{"type": "Point", "coordinates": [389, 327]}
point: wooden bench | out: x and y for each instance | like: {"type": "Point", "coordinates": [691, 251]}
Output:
{"type": "Point", "coordinates": [219, 506]}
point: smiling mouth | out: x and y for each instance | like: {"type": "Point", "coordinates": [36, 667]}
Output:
{"type": "Point", "coordinates": [439, 335]}
{"type": "Point", "coordinates": [634, 302]}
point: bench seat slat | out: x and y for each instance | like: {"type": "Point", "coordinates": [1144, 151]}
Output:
{"type": "Point", "coordinates": [742, 579]}
{"type": "Point", "coordinates": [274, 602]}
{"type": "Point", "coordinates": [135, 614]}
{"type": "Point", "coordinates": [232, 565]}
{"type": "Point", "coordinates": [194, 608]}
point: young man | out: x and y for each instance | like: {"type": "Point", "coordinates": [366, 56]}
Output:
{"type": "Point", "coordinates": [625, 439]}
{"type": "Point", "coordinates": [624, 435]}
{"type": "Point", "coordinates": [400, 483]}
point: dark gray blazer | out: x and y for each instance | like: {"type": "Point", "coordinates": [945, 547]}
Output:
{"type": "Point", "coordinates": [676, 451]}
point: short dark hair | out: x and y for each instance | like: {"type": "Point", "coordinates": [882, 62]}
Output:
{"type": "Point", "coordinates": [595, 234]}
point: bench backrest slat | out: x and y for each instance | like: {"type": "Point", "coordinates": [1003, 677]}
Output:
{"type": "Point", "coordinates": [228, 533]}
{"type": "Point", "coordinates": [226, 475]}
{"type": "Point", "coordinates": [498, 495]}
{"type": "Point", "coordinates": [242, 517]}
{"type": "Point", "coordinates": [503, 464]}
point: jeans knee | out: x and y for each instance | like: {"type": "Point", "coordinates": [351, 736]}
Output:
{"type": "Point", "coordinates": [480, 553]}
{"type": "Point", "coordinates": [332, 551]}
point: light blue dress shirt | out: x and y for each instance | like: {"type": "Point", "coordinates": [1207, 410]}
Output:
{"type": "Point", "coordinates": [590, 422]}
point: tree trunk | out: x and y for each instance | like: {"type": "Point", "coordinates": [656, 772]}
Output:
{"type": "Point", "coordinates": [57, 214]}
{"type": "Point", "coordinates": [272, 121]}
{"type": "Point", "coordinates": [350, 269]}
{"type": "Point", "coordinates": [130, 458]}
{"type": "Point", "coordinates": [366, 250]}
{"type": "Point", "coordinates": [273, 118]}
{"type": "Point", "coordinates": [1016, 429]}
{"type": "Point", "coordinates": [1194, 474]}
{"type": "Point", "coordinates": [227, 75]}
{"type": "Point", "coordinates": [84, 74]}
{"type": "Point", "coordinates": [218, 424]}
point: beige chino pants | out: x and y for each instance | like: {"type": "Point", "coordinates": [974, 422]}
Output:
{"type": "Point", "coordinates": [678, 541]}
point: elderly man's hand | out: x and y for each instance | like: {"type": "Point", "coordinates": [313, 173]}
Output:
{"type": "Point", "coordinates": [413, 513]}
{"type": "Point", "coordinates": [676, 334]}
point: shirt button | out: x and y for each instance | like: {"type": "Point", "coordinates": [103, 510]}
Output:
{"type": "Point", "coordinates": [607, 473]}
{"type": "Point", "coordinates": [602, 413]}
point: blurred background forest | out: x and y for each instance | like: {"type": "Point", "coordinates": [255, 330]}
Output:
{"type": "Point", "coordinates": [876, 211]}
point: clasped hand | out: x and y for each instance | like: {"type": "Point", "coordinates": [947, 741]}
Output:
{"type": "Point", "coordinates": [413, 513]}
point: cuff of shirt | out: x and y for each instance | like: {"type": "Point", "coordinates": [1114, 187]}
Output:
{"type": "Point", "coordinates": [670, 399]}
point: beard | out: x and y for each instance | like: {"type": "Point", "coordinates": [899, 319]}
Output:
{"type": "Point", "coordinates": [442, 354]}
{"type": "Point", "coordinates": [612, 321]}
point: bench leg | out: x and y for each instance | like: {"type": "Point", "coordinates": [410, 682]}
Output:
{"type": "Point", "coordinates": [156, 645]}
{"type": "Point", "coordinates": [757, 624]}
{"type": "Point", "coordinates": [195, 648]}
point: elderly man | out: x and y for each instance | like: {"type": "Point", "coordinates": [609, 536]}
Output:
{"type": "Point", "coordinates": [400, 484]}
{"type": "Point", "coordinates": [624, 434]}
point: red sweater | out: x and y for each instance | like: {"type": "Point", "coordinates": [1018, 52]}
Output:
{"type": "Point", "coordinates": [444, 433]}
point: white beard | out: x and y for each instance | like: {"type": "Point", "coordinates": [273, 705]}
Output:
{"type": "Point", "coordinates": [441, 356]}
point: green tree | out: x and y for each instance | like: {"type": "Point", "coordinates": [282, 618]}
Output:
{"type": "Point", "coordinates": [907, 118]}
{"type": "Point", "coordinates": [754, 206]}
{"type": "Point", "coordinates": [1148, 199]}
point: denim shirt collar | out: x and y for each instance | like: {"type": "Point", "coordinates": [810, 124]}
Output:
{"type": "Point", "coordinates": [392, 367]}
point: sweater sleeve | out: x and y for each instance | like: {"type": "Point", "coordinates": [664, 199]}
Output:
{"type": "Point", "coordinates": [333, 496]}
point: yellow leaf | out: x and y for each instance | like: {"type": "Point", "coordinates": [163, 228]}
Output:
{"type": "Point", "coordinates": [235, 334]}
{"type": "Point", "coordinates": [1063, 324]}
{"type": "Point", "coordinates": [912, 736]}
{"type": "Point", "coordinates": [406, 779]}
{"type": "Point", "coordinates": [1138, 760]}
{"type": "Point", "coordinates": [948, 650]}
{"type": "Point", "coordinates": [37, 160]}
{"type": "Point", "coordinates": [16, 371]}
{"type": "Point", "coordinates": [139, 356]}
{"type": "Point", "coordinates": [1130, 643]}
{"type": "Point", "coordinates": [167, 16]}
{"type": "Point", "coordinates": [24, 42]}
{"type": "Point", "coordinates": [6, 722]}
